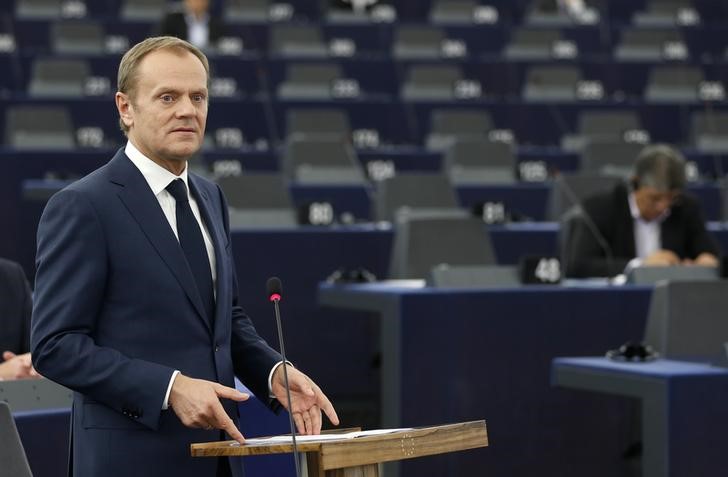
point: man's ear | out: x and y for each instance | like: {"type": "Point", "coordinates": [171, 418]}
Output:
{"type": "Point", "coordinates": [126, 110]}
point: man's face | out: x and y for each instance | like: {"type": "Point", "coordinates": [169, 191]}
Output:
{"type": "Point", "coordinates": [652, 202]}
{"type": "Point", "coordinates": [167, 112]}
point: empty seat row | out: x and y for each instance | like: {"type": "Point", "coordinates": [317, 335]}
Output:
{"type": "Point", "coordinates": [536, 12]}
{"type": "Point", "coordinates": [404, 42]}
{"type": "Point", "coordinates": [54, 126]}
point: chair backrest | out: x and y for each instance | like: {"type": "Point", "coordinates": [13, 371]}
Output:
{"type": "Point", "coordinates": [38, 9]}
{"type": "Point", "coordinates": [549, 83]}
{"type": "Point", "coordinates": [647, 37]}
{"type": "Point", "coordinates": [449, 125]}
{"type": "Point", "coordinates": [58, 77]}
{"type": "Point", "coordinates": [74, 37]}
{"type": "Point", "coordinates": [297, 40]}
{"type": "Point", "coordinates": [246, 10]}
{"type": "Point", "coordinates": [431, 82]}
{"type": "Point", "coordinates": [480, 152]}
{"type": "Point", "coordinates": [712, 123]}
{"type": "Point", "coordinates": [256, 191]}
{"type": "Point", "coordinates": [143, 10]}
{"type": "Point", "coordinates": [39, 127]}
{"type": "Point", "coordinates": [417, 42]}
{"type": "Point", "coordinates": [608, 123]}
{"type": "Point", "coordinates": [444, 75]}
{"type": "Point", "coordinates": [423, 241]}
{"type": "Point", "coordinates": [460, 121]}
{"type": "Point", "coordinates": [687, 320]}
{"type": "Point", "coordinates": [452, 11]}
{"type": "Point", "coordinates": [318, 122]}
{"type": "Point", "coordinates": [554, 75]}
{"type": "Point", "coordinates": [535, 37]}
{"type": "Point", "coordinates": [569, 189]}
{"type": "Point", "coordinates": [610, 157]}
{"type": "Point", "coordinates": [322, 160]}
{"type": "Point", "coordinates": [312, 73]}
{"type": "Point", "coordinates": [12, 455]}
{"type": "Point", "coordinates": [415, 191]}
{"type": "Point", "coordinates": [687, 76]}
{"type": "Point", "coordinates": [709, 131]}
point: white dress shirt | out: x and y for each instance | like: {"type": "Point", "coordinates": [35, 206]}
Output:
{"type": "Point", "coordinates": [647, 234]}
{"type": "Point", "coordinates": [198, 30]}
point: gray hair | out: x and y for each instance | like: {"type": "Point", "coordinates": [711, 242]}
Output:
{"type": "Point", "coordinates": [660, 166]}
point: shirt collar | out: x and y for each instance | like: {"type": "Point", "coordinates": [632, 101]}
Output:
{"type": "Point", "coordinates": [156, 176]}
{"type": "Point", "coordinates": [635, 211]}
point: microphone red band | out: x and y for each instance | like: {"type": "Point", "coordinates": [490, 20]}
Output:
{"type": "Point", "coordinates": [275, 297]}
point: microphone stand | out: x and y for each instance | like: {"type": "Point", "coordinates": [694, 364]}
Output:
{"type": "Point", "coordinates": [288, 388]}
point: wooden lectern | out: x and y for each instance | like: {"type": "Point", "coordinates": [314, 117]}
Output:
{"type": "Point", "coordinates": [360, 456]}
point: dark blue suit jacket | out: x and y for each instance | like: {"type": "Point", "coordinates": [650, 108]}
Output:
{"type": "Point", "coordinates": [15, 307]}
{"type": "Point", "coordinates": [117, 311]}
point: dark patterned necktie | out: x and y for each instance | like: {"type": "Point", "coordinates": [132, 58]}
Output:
{"type": "Point", "coordinates": [193, 245]}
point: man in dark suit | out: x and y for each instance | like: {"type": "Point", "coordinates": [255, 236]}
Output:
{"type": "Point", "coordinates": [653, 222]}
{"type": "Point", "coordinates": [15, 308]}
{"type": "Point", "coordinates": [193, 23]}
{"type": "Point", "coordinates": [136, 296]}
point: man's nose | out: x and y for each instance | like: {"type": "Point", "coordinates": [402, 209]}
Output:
{"type": "Point", "coordinates": [185, 107]}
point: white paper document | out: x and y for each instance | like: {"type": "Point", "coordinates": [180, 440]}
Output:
{"type": "Point", "coordinates": [322, 437]}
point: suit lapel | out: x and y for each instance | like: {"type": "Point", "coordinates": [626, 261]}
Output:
{"type": "Point", "coordinates": [144, 207]}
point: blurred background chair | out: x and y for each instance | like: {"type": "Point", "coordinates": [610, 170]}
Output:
{"type": "Point", "coordinates": [450, 125]}
{"type": "Point", "coordinates": [54, 77]}
{"type": "Point", "coordinates": [423, 240]}
{"type": "Point", "coordinates": [551, 83]}
{"type": "Point", "coordinates": [322, 161]}
{"type": "Point", "coordinates": [685, 321]}
{"type": "Point", "coordinates": [417, 43]}
{"type": "Point", "coordinates": [432, 192]}
{"type": "Point", "coordinates": [480, 161]}
{"type": "Point", "coordinates": [309, 81]}
{"type": "Point", "coordinates": [431, 82]}
{"type": "Point", "coordinates": [258, 200]}
{"type": "Point", "coordinates": [39, 127]}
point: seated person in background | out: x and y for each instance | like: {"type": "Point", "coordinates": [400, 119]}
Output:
{"type": "Point", "coordinates": [193, 23]}
{"type": "Point", "coordinates": [357, 6]}
{"type": "Point", "coordinates": [652, 222]}
{"type": "Point", "coordinates": [15, 310]}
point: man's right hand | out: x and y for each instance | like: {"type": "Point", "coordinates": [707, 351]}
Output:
{"type": "Point", "coordinates": [197, 404]}
{"type": "Point", "coordinates": [662, 258]}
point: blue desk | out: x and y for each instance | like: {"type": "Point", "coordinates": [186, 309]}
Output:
{"type": "Point", "coordinates": [684, 416]}
{"type": "Point", "coordinates": [452, 355]}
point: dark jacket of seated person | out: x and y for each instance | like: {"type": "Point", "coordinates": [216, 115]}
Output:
{"type": "Point", "coordinates": [670, 225]}
{"type": "Point", "coordinates": [15, 312]}
{"type": "Point", "coordinates": [178, 23]}
{"type": "Point", "coordinates": [15, 308]}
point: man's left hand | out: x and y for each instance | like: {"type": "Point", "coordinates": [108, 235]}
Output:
{"type": "Point", "coordinates": [307, 399]}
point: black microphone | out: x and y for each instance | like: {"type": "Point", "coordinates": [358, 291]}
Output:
{"type": "Point", "coordinates": [275, 290]}
{"type": "Point", "coordinates": [590, 224]}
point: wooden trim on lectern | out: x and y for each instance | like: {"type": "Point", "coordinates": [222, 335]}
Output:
{"type": "Point", "coordinates": [367, 450]}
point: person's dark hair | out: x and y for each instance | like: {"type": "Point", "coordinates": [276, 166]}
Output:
{"type": "Point", "coordinates": [660, 166]}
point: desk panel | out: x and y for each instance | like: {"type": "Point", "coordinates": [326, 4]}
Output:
{"type": "Point", "coordinates": [450, 355]}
